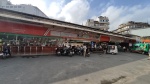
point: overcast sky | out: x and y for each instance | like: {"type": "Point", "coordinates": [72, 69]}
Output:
{"type": "Point", "coordinates": [78, 11]}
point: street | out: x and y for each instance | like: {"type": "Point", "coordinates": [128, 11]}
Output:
{"type": "Point", "coordinates": [123, 68]}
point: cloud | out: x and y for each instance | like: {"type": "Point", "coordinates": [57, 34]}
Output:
{"type": "Point", "coordinates": [54, 8]}
{"type": "Point", "coordinates": [123, 14]}
{"type": "Point", "coordinates": [74, 11]}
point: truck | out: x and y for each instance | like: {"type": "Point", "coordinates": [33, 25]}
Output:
{"type": "Point", "coordinates": [142, 48]}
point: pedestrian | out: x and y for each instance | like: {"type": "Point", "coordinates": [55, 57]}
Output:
{"type": "Point", "coordinates": [124, 48]}
{"type": "Point", "coordinates": [100, 49]}
{"type": "Point", "coordinates": [9, 52]}
{"type": "Point", "coordinates": [105, 49]}
{"type": "Point", "coordinates": [149, 55]}
{"type": "Point", "coordinates": [84, 50]}
{"type": "Point", "coordinates": [6, 50]}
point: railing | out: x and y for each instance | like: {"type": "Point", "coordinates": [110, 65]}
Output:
{"type": "Point", "coordinates": [30, 50]}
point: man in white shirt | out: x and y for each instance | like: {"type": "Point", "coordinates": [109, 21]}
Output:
{"type": "Point", "coordinates": [84, 50]}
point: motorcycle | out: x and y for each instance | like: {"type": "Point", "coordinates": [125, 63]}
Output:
{"type": "Point", "coordinates": [70, 51]}
{"type": "Point", "coordinates": [64, 51]}
{"type": "Point", "coordinates": [78, 51]}
{"type": "Point", "coordinates": [4, 55]}
{"type": "Point", "coordinates": [58, 51]}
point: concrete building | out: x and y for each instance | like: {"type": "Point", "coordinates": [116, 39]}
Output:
{"type": "Point", "coordinates": [137, 30]}
{"type": "Point", "coordinates": [102, 24]}
{"type": "Point", "coordinates": [29, 9]}
{"type": "Point", "coordinates": [144, 33]}
{"type": "Point", "coordinates": [131, 25]}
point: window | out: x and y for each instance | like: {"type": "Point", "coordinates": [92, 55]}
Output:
{"type": "Point", "coordinates": [19, 6]}
{"type": "Point", "coordinates": [7, 6]}
{"type": "Point", "coordinates": [11, 6]}
{"type": "Point", "coordinates": [15, 6]}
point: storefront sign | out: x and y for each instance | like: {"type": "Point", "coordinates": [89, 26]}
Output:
{"type": "Point", "coordinates": [104, 38]}
{"type": "Point", "coordinates": [19, 28]}
{"type": "Point", "coordinates": [116, 39]}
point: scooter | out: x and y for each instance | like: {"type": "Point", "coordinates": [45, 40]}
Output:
{"type": "Point", "coordinates": [4, 55]}
{"type": "Point", "coordinates": [58, 51]}
{"type": "Point", "coordinates": [78, 51]}
{"type": "Point", "coordinates": [70, 51]}
{"type": "Point", "coordinates": [67, 52]}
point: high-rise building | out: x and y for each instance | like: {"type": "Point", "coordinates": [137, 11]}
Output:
{"type": "Point", "coordinates": [101, 24]}
{"type": "Point", "coordinates": [24, 8]}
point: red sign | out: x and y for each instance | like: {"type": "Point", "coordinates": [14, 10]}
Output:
{"type": "Point", "coordinates": [104, 38]}
{"type": "Point", "coordinates": [19, 28]}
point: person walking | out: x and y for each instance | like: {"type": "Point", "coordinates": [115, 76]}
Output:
{"type": "Point", "coordinates": [84, 50]}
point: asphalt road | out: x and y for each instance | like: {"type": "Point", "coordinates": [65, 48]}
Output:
{"type": "Point", "coordinates": [52, 69]}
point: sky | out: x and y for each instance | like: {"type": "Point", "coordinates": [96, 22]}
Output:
{"type": "Point", "coordinates": [78, 11]}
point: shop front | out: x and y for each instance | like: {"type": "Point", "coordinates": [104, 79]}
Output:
{"type": "Point", "coordinates": [27, 38]}
{"type": "Point", "coordinates": [29, 44]}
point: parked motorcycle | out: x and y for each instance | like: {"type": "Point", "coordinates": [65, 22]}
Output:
{"type": "Point", "coordinates": [4, 55]}
{"type": "Point", "coordinates": [65, 51]}
{"type": "Point", "coordinates": [78, 51]}
{"type": "Point", "coordinates": [58, 51]}
{"type": "Point", "coordinates": [88, 52]}
{"type": "Point", "coordinates": [70, 51]}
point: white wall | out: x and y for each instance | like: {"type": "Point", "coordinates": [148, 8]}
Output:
{"type": "Point", "coordinates": [141, 32]}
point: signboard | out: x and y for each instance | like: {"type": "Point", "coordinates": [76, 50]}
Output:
{"type": "Point", "coordinates": [104, 38]}
{"type": "Point", "coordinates": [116, 39]}
{"type": "Point", "coordinates": [19, 28]}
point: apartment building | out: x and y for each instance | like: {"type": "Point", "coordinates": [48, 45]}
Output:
{"type": "Point", "coordinates": [101, 24]}
{"type": "Point", "coordinates": [131, 25]}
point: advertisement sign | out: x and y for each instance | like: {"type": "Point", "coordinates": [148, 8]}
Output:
{"type": "Point", "coordinates": [19, 28]}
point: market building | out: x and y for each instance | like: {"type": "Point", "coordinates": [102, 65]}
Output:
{"type": "Point", "coordinates": [30, 34]}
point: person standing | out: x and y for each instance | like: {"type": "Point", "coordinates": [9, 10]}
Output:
{"type": "Point", "coordinates": [124, 48]}
{"type": "Point", "coordinates": [149, 55]}
{"type": "Point", "coordinates": [6, 50]}
{"type": "Point", "coordinates": [105, 49]}
{"type": "Point", "coordinates": [84, 50]}
{"type": "Point", "coordinates": [100, 49]}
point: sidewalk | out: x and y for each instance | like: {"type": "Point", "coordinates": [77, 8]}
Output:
{"type": "Point", "coordinates": [144, 79]}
